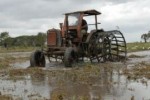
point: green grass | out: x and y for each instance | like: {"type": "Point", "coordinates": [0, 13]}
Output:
{"type": "Point", "coordinates": [138, 46]}
{"type": "Point", "coordinates": [17, 49]}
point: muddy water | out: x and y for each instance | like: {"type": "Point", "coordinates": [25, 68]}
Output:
{"type": "Point", "coordinates": [16, 54]}
{"type": "Point", "coordinates": [108, 85]}
{"type": "Point", "coordinates": [49, 65]}
{"type": "Point", "coordinates": [130, 62]}
{"type": "Point", "coordinates": [23, 65]}
{"type": "Point", "coordinates": [145, 57]}
{"type": "Point", "coordinates": [25, 89]}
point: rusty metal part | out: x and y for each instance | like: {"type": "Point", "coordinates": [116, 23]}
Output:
{"type": "Point", "coordinates": [107, 46]}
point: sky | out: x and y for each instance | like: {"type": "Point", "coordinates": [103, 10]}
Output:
{"type": "Point", "coordinates": [28, 17]}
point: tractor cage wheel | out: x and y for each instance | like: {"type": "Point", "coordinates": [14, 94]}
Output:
{"type": "Point", "coordinates": [107, 46]}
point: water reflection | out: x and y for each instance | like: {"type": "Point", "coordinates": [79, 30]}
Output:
{"type": "Point", "coordinates": [109, 83]}
{"type": "Point", "coordinates": [29, 88]}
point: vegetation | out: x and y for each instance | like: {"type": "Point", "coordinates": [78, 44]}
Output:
{"type": "Point", "coordinates": [22, 41]}
{"type": "Point", "coordinates": [6, 60]}
{"type": "Point", "coordinates": [145, 36]}
{"type": "Point", "coordinates": [138, 46]}
{"type": "Point", "coordinates": [3, 36]}
{"type": "Point", "coordinates": [5, 97]}
{"type": "Point", "coordinates": [17, 49]}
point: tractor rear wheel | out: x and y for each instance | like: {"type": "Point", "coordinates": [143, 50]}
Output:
{"type": "Point", "coordinates": [37, 59]}
{"type": "Point", "coordinates": [69, 57]}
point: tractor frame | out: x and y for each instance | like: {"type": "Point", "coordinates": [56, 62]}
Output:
{"type": "Point", "coordinates": [70, 45]}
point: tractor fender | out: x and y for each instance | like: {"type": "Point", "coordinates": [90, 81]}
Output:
{"type": "Point", "coordinates": [91, 33]}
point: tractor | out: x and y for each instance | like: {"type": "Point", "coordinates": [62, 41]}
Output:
{"type": "Point", "coordinates": [73, 43]}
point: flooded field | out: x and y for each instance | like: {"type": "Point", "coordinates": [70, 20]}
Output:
{"type": "Point", "coordinates": [128, 80]}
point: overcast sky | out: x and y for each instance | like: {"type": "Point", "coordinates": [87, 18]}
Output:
{"type": "Point", "coordinates": [28, 17]}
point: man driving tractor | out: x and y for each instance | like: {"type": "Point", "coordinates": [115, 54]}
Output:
{"type": "Point", "coordinates": [84, 28]}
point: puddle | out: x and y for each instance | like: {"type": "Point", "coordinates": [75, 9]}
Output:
{"type": "Point", "coordinates": [23, 65]}
{"type": "Point", "coordinates": [60, 83]}
{"type": "Point", "coordinates": [49, 65]}
{"type": "Point", "coordinates": [141, 53]}
{"type": "Point", "coordinates": [145, 57]}
{"type": "Point", "coordinates": [25, 89]}
{"type": "Point", "coordinates": [137, 90]}
{"type": "Point", "coordinates": [125, 90]}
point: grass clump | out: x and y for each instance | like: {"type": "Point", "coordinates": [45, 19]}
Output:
{"type": "Point", "coordinates": [35, 73]}
{"type": "Point", "coordinates": [139, 71]}
{"type": "Point", "coordinates": [6, 60]}
{"type": "Point", "coordinates": [75, 83]}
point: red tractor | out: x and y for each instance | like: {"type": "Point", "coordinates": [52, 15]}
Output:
{"type": "Point", "coordinates": [72, 42]}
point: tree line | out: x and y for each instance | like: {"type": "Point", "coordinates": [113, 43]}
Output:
{"type": "Point", "coordinates": [36, 40]}
{"type": "Point", "coordinates": [25, 40]}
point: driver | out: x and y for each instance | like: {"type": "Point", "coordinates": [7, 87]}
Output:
{"type": "Point", "coordinates": [84, 28]}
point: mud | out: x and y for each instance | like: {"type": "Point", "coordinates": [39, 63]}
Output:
{"type": "Point", "coordinates": [86, 81]}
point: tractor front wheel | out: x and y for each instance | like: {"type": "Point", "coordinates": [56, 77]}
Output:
{"type": "Point", "coordinates": [37, 59]}
{"type": "Point", "coordinates": [69, 57]}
